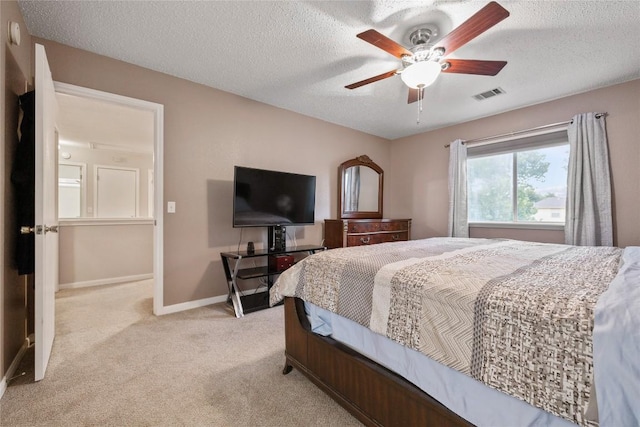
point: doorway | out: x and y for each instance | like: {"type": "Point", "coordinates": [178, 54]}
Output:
{"type": "Point", "coordinates": [127, 158]}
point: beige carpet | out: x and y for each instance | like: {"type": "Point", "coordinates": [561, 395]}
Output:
{"type": "Point", "coordinates": [115, 364]}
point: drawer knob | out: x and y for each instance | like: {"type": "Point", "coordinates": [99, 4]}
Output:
{"type": "Point", "coordinates": [365, 240]}
{"type": "Point", "coordinates": [396, 237]}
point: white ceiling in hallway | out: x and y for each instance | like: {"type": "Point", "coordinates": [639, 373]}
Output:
{"type": "Point", "coordinates": [93, 123]}
{"type": "Point", "coordinates": [299, 55]}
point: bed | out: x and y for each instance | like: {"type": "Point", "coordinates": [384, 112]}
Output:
{"type": "Point", "coordinates": [449, 331]}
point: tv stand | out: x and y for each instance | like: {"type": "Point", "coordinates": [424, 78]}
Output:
{"type": "Point", "coordinates": [252, 301]}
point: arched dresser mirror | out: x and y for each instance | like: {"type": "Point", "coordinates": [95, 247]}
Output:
{"type": "Point", "coordinates": [360, 185]}
{"type": "Point", "coordinates": [360, 199]}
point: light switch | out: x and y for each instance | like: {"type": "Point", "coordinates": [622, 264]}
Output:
{"type": "Point", "coordinates": [171, 207]}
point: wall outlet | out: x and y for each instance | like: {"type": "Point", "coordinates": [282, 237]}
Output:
{"type": "Point", "coordinates": [171, 207]}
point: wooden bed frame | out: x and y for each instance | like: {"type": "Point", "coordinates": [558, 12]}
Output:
{"type": "Point", "coordinates": [370, 392]}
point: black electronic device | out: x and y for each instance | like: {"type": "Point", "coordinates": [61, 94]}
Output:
{"type": "Point", "coordinates": [265, 198]}
{"type": "Point", "coordinates": [279, 241]}
{"type": "Point", "coordinates": [251, 249]}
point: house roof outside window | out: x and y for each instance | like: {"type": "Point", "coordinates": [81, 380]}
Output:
{"type": "Point", "coordinates": [551, 203]}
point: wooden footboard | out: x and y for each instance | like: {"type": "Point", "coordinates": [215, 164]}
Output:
{"type": "Point", "coordinates": [372, 393]}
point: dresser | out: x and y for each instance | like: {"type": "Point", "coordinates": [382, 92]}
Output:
{"type": "Point", "coordinates": [339, 233]}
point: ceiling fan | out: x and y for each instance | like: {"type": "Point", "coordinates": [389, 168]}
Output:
{"type": "Point", "coordinates": [423, 62]}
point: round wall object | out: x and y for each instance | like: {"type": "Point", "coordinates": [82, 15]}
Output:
{"type": "Point", "coordinates": [14, 33]}
{"type": "Point", "coordinates": [65, 155]}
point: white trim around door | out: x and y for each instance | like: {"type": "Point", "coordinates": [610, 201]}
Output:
{"type": "Point", "coordinates": [158, 168]}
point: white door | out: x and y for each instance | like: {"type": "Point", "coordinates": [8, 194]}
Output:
{"type": "Point", "coordinates": [116, 192]}
{"type": "Point", "coordinates": [46, 215]}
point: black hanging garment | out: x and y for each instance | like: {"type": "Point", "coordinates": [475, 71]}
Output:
{"type": "Point", "coordinates": [23, 178]}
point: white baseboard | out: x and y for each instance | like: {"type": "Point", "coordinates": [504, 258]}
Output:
{"type": "Point", "coordinates": [109, 281]}
{"type": "Point", "coordinates": [14, 365]}
{"type": "Point", "coordinates": [175, 308]}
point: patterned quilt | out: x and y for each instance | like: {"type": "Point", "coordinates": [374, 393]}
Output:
{"type": "Point", "coordinates": [517, 316]}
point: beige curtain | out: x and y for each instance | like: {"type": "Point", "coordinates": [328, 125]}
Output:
{"type": "Point", "coordinates": [589, 218]}
{"type": "Point", "coordinates": [458, 221]}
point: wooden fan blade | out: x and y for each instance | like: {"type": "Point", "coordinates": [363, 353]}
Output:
{"type": "Point", "coordinates": [484, 19]}
{"type": "Point", "coordinates": [372, 79]}
{"type": "Point", "coordinates": [472, 66]}
{"type": "Point", "coordinates": [384, 43]}
{"type": "Point", "coordinates": [414, 94]}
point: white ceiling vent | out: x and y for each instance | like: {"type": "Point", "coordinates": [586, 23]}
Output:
{"type": "Point", "coordinates": [489, 94]}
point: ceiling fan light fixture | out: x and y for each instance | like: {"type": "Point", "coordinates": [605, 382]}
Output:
{"type": "Point", "coordinates": [421, 74]}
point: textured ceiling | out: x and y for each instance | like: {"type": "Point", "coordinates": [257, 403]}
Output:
{"type": "Point", "coordinates": [300, 55]}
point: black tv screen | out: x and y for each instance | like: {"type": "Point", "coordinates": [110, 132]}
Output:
{"type": "Point", "coordinates": [263, 198]}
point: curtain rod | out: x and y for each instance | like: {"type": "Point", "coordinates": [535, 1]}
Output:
{"type": "Point", "coordinates": [517, 132]}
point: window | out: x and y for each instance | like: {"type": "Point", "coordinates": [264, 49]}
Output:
{"type": "Point", "coordinates": [516, 181]}
{"type": "Point", "coordinates": [71, 190]}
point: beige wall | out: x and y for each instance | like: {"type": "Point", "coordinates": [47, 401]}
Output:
{"type": "Point", "coordinates": [206, 133]}
{"type": "Point", "coordinates": [418, 183]}
{"type": "Point", "coordinates": [95, 253]}
{"type": "Point", "coordinates": [15, 66]}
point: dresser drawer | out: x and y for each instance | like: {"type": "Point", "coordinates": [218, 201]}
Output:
{"type": "Point", "coordinates": [394, 237]}
{"type": "Point", "coordinates": [394, 226]}
{"type": "Point", "coordinates": [363, 227]}
{"type": "Point", "coordinates": [363, 239]}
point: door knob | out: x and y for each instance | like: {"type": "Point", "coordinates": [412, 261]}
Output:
{"type": "Point", "coordinates": [27, 230]}
{"type": "Point", "coordinates": [36, 229]}
{"type": "Point", "coordinates": [52, 229]}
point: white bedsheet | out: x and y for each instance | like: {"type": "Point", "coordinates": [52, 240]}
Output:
{"type": "Point", "coordinates": [616, 346]}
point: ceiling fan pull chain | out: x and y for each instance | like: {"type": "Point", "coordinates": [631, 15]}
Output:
{"type": "Point", "coordinates": [420, 96]}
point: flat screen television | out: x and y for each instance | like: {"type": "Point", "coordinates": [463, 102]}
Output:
{"type": "Point", "coordinates": [265, 198]}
